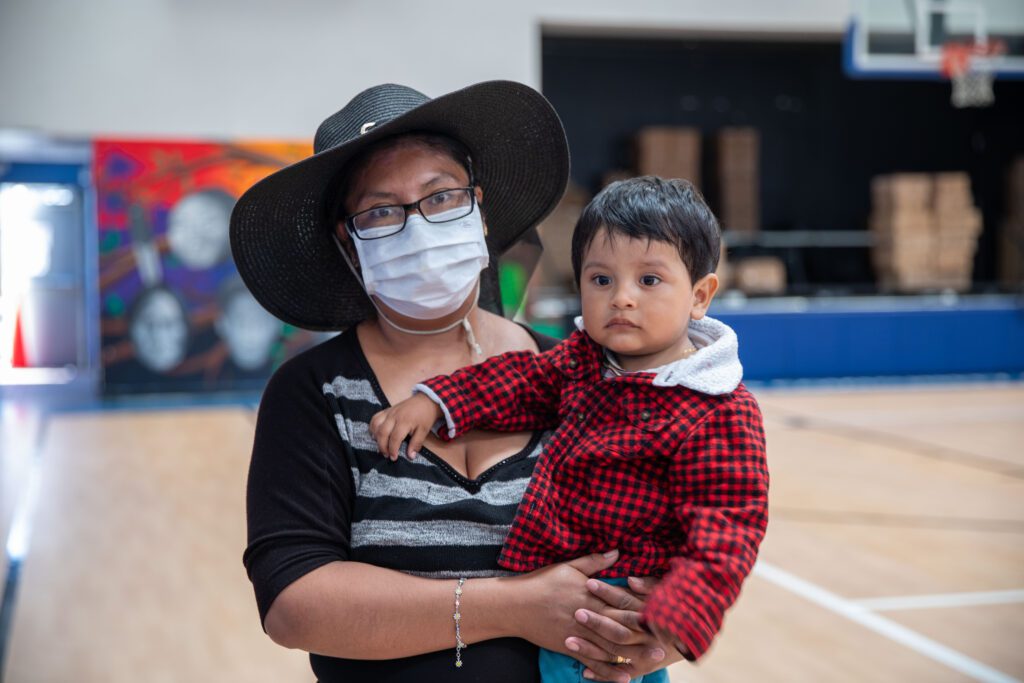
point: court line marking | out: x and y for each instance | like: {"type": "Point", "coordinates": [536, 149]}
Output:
{"type": "Point", "coordinates": [883, 626]}
{"type": "Point", "coordinates": [942, 600]}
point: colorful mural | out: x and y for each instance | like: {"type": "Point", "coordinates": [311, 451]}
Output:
{"type": "Point", "coordinates": [175, 316]}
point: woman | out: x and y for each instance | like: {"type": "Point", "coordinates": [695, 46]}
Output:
{"type": "Point", "coordinates": [379, 569]}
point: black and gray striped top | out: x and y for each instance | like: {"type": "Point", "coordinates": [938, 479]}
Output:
{"type": "Point", "coordinates": [319, 492]}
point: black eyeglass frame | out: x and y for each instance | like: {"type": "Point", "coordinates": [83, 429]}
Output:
{"type": "Point", "coordinates": [350, 220]}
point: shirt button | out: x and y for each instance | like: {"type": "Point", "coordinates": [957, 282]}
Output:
{"type": "Point", "coordinates": [573, 363]}
{"type": "Point", "coordinates": [580, 416]}
{"type": "Point", "coordinates": [645, 415]}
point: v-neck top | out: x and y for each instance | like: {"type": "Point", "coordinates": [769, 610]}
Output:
{"type": "Point", "coordinates": [319, 491]}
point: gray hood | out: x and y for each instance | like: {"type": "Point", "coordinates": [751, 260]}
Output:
{"type": "Point", "coordinates": [714, 369]}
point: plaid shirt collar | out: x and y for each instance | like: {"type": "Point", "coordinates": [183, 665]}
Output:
{"type": "Point", "coordinates": [715, 369]}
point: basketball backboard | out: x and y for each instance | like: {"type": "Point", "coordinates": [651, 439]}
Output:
{"type": "Point", "coordinates": [904, 39]}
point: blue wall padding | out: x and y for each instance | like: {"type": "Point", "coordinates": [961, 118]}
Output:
{"type": "Point", "coordinates": [966, 338]}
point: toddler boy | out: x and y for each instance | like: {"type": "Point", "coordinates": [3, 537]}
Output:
{"type": "Point", "coordinates": [659, 450]}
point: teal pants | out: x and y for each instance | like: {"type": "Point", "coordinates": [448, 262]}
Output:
{"type": "Point", "coordinates": [558, 668]}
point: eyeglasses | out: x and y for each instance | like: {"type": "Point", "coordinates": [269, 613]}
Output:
{"type": "Point", "coordinates": [385, 221]}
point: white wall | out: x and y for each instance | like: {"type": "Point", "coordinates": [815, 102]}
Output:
{"type": "Point", "coordinates": [273, 68]}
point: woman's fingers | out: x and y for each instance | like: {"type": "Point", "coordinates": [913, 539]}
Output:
{"type": "Point", "coordinates": [603, 670]}
{"type": "Point", "coordinates": [588, 565]}
{"type": "Point", "coordinates": [609, 629]}
{"type": "Point", "coordinates": [671, 642]}
{"type": "Point", "coordinates": [617, 597]}
{"type": "Point", "coordinates": [642, 585]}
{"type": "Point", "coordinates": [583, 647]}
{"type": "Point", "coordinates": [626, 618]}
{"type": "Point", "coordinates": [602, 649]}
{"type": "Point", "coordinates": [642, 659]}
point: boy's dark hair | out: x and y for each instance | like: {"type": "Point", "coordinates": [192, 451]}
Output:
{"type": "Point", "coordinates": [661, 209]}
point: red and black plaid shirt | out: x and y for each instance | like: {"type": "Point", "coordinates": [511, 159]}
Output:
{"type": "Point", "coordinates": [674, 479]}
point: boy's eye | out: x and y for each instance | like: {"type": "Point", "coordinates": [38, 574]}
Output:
{"type": "Point", "coordinates": [601, 280]}
{"type": "Point", "coordinates": [649, 280]}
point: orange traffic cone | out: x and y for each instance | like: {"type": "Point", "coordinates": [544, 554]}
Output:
{"type": "Point", "coordinates": [18, 358]}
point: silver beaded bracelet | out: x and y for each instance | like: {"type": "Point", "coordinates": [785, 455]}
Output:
{"type": "Point", "coordinates": [458, 620]}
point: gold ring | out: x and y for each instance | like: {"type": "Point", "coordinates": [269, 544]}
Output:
{"type": "Point", "coordinates": [619, 659]}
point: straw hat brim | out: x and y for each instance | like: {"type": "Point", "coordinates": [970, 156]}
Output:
{"type": "Point", "coordinates": [280, 233]}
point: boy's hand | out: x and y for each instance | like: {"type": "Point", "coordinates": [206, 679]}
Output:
{"type": "Point", "coordinates": [411, 418]}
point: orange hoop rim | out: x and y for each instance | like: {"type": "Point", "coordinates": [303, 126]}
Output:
{"type": "Point", "coordinates": [958, 57]}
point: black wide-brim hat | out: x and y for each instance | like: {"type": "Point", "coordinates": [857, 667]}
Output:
{"type": "Point", "coordinates": [281, 227]}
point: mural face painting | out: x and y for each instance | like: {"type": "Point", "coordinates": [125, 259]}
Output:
{"type": "Point", "coordinates": [197, 228]}
{"type": "Point", "coordinates": [159, 330]}
{"type": "Point", "coordinates": [249, 331]}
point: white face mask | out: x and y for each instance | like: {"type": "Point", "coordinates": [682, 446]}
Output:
{"type": "Point", "coordinates": [429, 269]}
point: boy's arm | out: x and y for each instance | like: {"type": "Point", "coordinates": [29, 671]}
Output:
{"type": "Point", "coordinates": [720, 491]}
{"type": "Point", "coordinates": [513, 392]}
{"type": "Point", "coordinates": [412, 419]}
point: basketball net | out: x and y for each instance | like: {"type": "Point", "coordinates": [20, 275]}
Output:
{"type": "Point", "coordinates": [967, 67]}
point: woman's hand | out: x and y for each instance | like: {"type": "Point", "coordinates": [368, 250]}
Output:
{"type": "Point", "coordinates": [560, 600]}
{"type": "Point", "coordinates": [545, 600]}
{"type": "Point", "coordinates": [615, 631]}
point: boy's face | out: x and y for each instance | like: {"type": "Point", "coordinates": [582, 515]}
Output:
{"type": "Point", "coordinates": [638, 300]}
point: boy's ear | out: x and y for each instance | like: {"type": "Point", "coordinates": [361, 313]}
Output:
{"type": "Point", "coordinates": [703, 292]}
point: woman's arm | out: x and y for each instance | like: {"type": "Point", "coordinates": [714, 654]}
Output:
{"type": "Point", "coordinates": [355, 610]}
{"type": "Point", "coordinates": [358, 611]}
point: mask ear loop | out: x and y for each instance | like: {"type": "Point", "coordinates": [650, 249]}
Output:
{"type": "Point", "coordinates": [470, 337]}
{"type": "Point", "coordinates": [471, 341]}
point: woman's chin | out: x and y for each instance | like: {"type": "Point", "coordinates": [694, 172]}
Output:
{"type": "Point", "coordinates": [425, 323]}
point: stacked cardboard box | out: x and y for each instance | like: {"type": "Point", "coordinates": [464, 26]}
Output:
{"type": "Point", "coordinates": [1011, 235]}
{"type": "Point", "coordinates": [759, 275]}
{"type": "Point", "coordinates": [902, 221]}
{"type": "Point", "coordinates": [555, 268]}
{"type": "Point", "coordinates": [669, 152]}
{"type": "Point", "coordinates": [958, 224]}
{"type": "Point", "coordinates": [614, 176]}
{"type": "Point", "coordinates": [724, 270]}
{"type": "Point", "coordinates": [739, 182]}
{"type": "Point", "coordinates": [926, 231]}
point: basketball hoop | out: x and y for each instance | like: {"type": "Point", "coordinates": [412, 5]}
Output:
{"type": "Point", "coordinates": [969, 67]}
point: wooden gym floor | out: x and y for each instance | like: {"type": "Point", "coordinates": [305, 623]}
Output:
{"type": "Point", "coordinates": [895, 550]}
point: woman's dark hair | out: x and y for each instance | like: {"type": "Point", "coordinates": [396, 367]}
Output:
{"type": "Point", "coordinates": [652, 208]}
{"type": "Point", "coordinates": [450, 147]}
